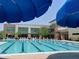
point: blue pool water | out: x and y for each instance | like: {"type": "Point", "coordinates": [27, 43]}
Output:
{"type": "Point", "coordinates": [31, 46]}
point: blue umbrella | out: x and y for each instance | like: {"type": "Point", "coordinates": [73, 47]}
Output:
{"type": "Point", "coordinates": [68, 15]}
{"type": "Point", "coordinates": [13, 11]}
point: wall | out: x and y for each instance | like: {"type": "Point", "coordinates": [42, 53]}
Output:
{"type": "Point", "coordinates": [72, 31]}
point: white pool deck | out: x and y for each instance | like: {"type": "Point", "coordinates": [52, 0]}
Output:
{"type": "Point", "coordinates": [41, 55]}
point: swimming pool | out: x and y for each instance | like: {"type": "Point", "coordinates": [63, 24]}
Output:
{"type": "Point", "coordinates": [32, 46]}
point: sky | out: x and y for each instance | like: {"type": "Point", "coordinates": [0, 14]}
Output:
{"type": "Point", "coordinates": [47, 17]}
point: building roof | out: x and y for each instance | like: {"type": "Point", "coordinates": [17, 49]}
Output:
{"type": "Point", "coordinates": [52, 21]}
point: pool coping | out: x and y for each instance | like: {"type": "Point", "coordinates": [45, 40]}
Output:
{"type": "Point", "coordinates": [38, 53]}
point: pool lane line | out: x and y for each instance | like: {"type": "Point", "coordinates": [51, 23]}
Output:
{"type": "Point", "coordinates": [60, 46]}
{"type": "Point", "coordinates": [22, 47]}
{"type": "Point", "coordinates": [39, 50]}
{"type": "Point", "coordinates": [50, 46]}
{"type": "Point", "coordinates": [43, 49]}
{"type": "Point", "coordinates": [15, 48]}
{"type": "Point", "coordinates": [65, 46]}
{"type": "Point", "coordinates": [74, 45]}
{"type": "Point", "coordinates": [77, 44]}
{"type": "Point", "coordinates": [47, 46]}
{"type": "Point", "coordinates": [3, 52]}
{"type": "Point", "coordinates": [56, 43]}
{"type": "Point", "coordinates": [71, 46]}
{"type": "Point", "coordinates": [28, 47]}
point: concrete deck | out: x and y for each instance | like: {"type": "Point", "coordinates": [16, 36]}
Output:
{"type": "Point", "coordinates": [37, 56]}
{"type": "Point", "coordinates": [40, 55]}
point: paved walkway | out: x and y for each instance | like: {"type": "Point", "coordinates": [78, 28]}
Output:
{"type": "Point", "coordinates": [37, 56]}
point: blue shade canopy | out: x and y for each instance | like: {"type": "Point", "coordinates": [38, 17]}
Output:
{"type": "Point", "coordinates": [13, 11]}
{"type": "Point", "coordinates": [68, 15]}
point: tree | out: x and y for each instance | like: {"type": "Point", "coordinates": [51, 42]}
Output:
{"type": "Point", "coordinates": [16, 34]}
{"type": "Point", "coordinates": [43, 31]}
{"type": "Point", "coordinates": [1, 34]}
